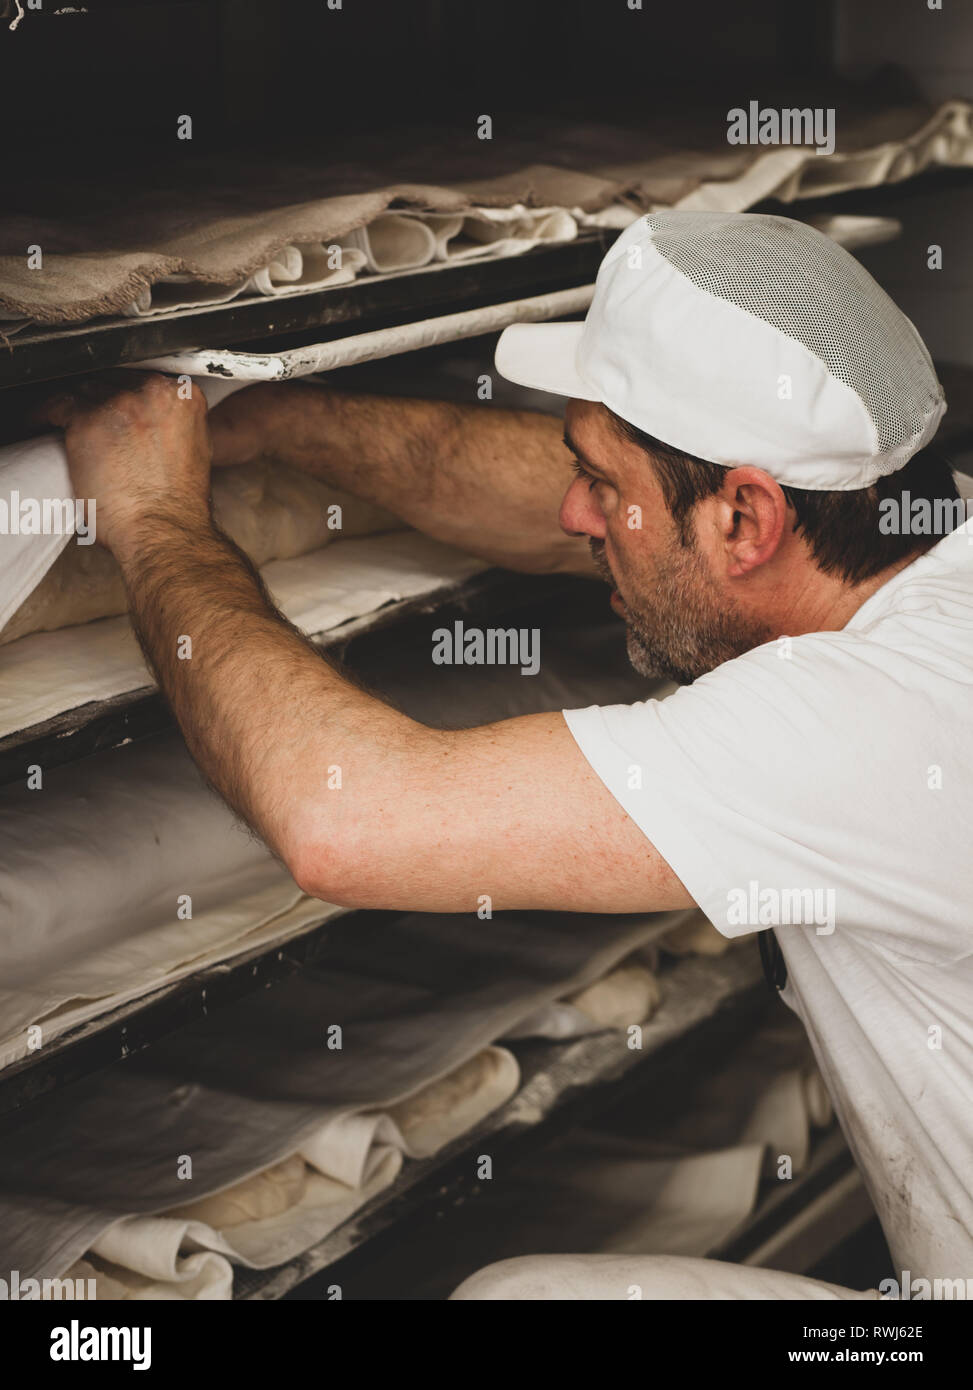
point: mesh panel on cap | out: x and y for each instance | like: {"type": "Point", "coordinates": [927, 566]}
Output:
{"type": "Point", "coordinates": [808, 287]}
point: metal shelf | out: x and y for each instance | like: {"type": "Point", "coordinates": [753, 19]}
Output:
{"type": "Point", "coordinates": [372, 302]}
{"type": "Point", "coordinates": [128, 1029]}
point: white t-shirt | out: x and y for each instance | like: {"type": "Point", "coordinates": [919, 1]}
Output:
{"type": "Point", "coordinates": [825, 783]}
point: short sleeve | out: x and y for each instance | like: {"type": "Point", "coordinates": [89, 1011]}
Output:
{"type": "Point", "coordinates": [753, 783]}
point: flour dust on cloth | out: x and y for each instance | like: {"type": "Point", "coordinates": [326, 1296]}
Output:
{"type": "Point", "coordinates": [416, 997]}
{"type": "Point", "coordinates": [248, 233]}
{"type": "Point", "coordinates": [629, 994]}
{"type": "Point", "coordinates": [850, 841]}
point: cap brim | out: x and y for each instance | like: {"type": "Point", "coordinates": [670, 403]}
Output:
{"type": "Point", "coordinates": [543, 356]}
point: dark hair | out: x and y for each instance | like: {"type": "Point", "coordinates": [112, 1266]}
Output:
{"type": "Point", "coordinates": [841, 528]}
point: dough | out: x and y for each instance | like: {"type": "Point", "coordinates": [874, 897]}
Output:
{"type": "Point", "coordinates": [272, 512]}
{"type": "Point", "coordinates": [268, 1193]}
{"type": "Point", "coordinates": [630, 994]}
{"type": "Point", "coordinates": [447, 1108]}
{"type": "Point", "coordinates": [695, 937]}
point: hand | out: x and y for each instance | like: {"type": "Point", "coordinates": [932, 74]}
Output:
{"type": "Point", "coordinates": [247, 425]}
{"type": "Point", "coordinates": [137, 448]}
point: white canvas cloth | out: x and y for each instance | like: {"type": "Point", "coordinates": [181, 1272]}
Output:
{"type": "Point", "coordinates": [94, 862]}
{"type": "Point", "coordinates": [282, 1211]}
{"type": "Point", "coordinates": [249, 1085]}
{"type": "Point", "coordinates": [685, 1190]}
{"type": "Point", "coordinates": [38, 469]}
{"type": "Point", "coordinates": [391, 243]}
{"type": "Point", "coordinates": [50, 672]}
{"type": "Point", "coordinates": [297, 269]}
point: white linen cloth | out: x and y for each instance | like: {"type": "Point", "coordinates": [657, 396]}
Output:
{"type": "Point", "coordinates": [684, 1190]}
{"type": "Point", "coordinates": [94, 863]}
{"type": "Point", "coordinates": [390, 243]}
{"type": "Point", "coordinates": [297, 269]}
{"type": "Point", "coordinates": [188, 1252]}
{"type": "Point", "coordinates": [38, 469]}
{"type": "Point", "coordinates": [96, 871]}
{"type": "Point", "coordinates": [415, 997]}
{"type": "Point", "coordinates": [50, 672]}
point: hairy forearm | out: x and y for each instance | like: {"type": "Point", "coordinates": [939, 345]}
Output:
{"type": "Point", "coordinates": [487, 480]}
{"type": "Point", "coordinates": [272, 726]}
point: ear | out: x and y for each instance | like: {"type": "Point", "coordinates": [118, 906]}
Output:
{"type": "Point", "coordinates": [752, 516]}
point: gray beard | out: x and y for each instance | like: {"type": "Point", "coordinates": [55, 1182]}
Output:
{"type": "Point", "coordinates": [685, 626]}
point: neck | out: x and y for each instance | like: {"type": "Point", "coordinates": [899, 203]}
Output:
{"type": "Point", "coordinates": [827, 604]}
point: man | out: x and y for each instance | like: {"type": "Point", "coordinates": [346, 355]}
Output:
{"type": "Point", "coordinates": [747, 408]}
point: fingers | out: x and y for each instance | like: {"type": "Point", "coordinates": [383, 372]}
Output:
{"type": "Point", "coordinates": [84, 393]}
{"type": "Point", "coordinates": [88, 393]}
{"type": "Point", "coordinates": [56, 410]}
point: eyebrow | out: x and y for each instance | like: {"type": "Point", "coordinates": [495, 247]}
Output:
{"type": "Point", "coordinates": [580, 454]}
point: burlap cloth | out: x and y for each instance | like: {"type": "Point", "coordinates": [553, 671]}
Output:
{"type": "Point", "coordinates": [222, 223]}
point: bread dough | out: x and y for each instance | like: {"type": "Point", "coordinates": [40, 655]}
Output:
{"type": "Point", "coordinates": [696, 936]}
{"type": "Point", "coordinates": [630, 994]}
{"type": "Point", "coordinates": [447, 1108]}
{"type": "Point", "coordinates": [269, 1193]}
{"type": "Point", "coordinates": [272, 512]}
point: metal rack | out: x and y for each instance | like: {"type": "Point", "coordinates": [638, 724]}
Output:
{"type": "Point", "coordinates": [291, 321]}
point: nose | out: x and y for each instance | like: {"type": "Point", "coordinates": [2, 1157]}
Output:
{"type": "Point", "coordinates": [580, 514]}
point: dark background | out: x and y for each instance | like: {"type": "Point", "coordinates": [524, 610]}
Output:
{"type": "Point", "coordinates": [123, 71]}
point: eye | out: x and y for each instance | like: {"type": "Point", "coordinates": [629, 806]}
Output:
{"type": "Point", "coordinates": [583, 473]}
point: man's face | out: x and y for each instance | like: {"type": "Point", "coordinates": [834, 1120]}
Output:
{"type": "Point", "coordinates": [681, 616]}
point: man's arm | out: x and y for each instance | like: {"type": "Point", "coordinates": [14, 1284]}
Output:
{"type": "Point", "coordinates": [365, 806]}
{"type": "Point", "coordinates": [489, 481]}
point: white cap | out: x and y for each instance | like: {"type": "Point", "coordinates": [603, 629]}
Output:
{"type": "Point", "coordinates": [744, 339]}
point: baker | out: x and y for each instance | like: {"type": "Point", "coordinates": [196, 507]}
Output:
{"type": "Point", "coordinates": [743, 398]}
